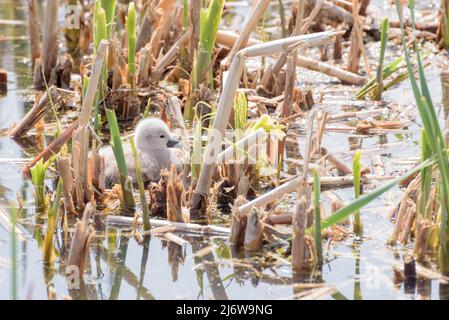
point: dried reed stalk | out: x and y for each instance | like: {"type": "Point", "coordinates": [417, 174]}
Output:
{"type": "Point", "coordinates": [195, 15]}
{"type": "Point", "coordinates": [343, 75]}
{"type": "Point", "coordinates": [35, 114]}
{"type": "Point", "coordinates": [238, 223]}
{"type": "Point", "coordinates": [198, 202]}
{"type": "Point", "coordinates": [175, 195]}
{"type": "Point", "coordinates": [79, 248]}
{"type": "Point", "coordinates": [256, 13]}
{"type": "Point", "coordinates": [65, 172]}
{"type": "Point", "coordinates": [287, 109]}
{"type": "Point", "coordinates": [50, 45]}
{"type": "Point", "coordinates": [228, 39]}
{"type": "Point", "coordinates": [53, 148]}
{"type": "Point", "coordinates": [162, 63]}
{"type": "Point", "coordinates": [300, 28]}
{"type": "Point", "coordinates": [299, 248]}
{"type": "Point", "coordinates": [166, 9]}
{"type": "Point", "coordinates": [332, 13]}
{"type": "Point", "coordinates": [146, 27]}
{"type": "Point", "coordinates": [254, 231]}
{"type": "Point", "coordinates": [33, 29]}
{"type": "Point", "coordinates": [180, 226]}
{"type": "Point", "coordinates": [81, 136]}
{"type": "Point", "coordinates": [337, 163]}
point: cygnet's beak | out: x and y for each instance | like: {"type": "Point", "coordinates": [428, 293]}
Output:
{"type": "Point", "coordinates": [173, 143]}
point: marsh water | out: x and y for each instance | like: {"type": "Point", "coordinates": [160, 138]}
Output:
{"type": "Point", "coordinates": [123, 267]}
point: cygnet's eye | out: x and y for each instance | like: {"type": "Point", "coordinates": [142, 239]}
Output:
{"type": "Point", "coordinates": [162, 136]}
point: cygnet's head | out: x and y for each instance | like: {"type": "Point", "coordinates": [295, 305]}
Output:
{"type": "Point", "coordinates": [153, 135]}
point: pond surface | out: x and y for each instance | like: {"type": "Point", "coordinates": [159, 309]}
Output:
{"type": "Point", "coordinates": [120, 267]}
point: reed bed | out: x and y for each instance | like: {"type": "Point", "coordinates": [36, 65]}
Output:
{"type": "Point", "coordinates": [177, 63]}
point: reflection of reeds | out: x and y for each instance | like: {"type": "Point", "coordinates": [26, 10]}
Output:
{"type": "Point", "coordinates": [14, 267]}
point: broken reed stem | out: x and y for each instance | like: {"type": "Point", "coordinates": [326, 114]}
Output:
{"type": "Point", "coordinates": [300, 28]}
{"type": "Point", "coordinates": [175, 193]}
{"type": "Point", "coordinates": [254, 231]}
{"type": "Point", "coordinates": [195, 13]}
{"type": "Point", "coordinates": [228, 38]}
{"type": "Point", "coordinates": [226, 102]}
{"type": "Point", "coordinates": [299, 224]}
{"type": "Point", "coordinates": [162, 63]}
{"type": "Point", "coordinates": [79, 247]}
{"type": "Point", "coordinates": [89, 97]}
{"type": "Point", "coordinates": [317, 211]}
{"type": "Point", "coordinates": [179, 226]}
{"type": "Point", "coordinates": [35, 114]}
{"type": "Point", "coordinates": [53, 148]}
{"type": "Point", "coordinates": [81, 136]}
{"type": "Point", "coordinates": [49, 50]}
{"type": "Point", "coordinates": [256, 14]}
{"type": "Point", "coordinates": [65, 172]}
{"type": "Point", "coordinates": [287, 109]}
{"type": "Point", "coordinates": [343, 75]}
{"type": "Point", "coordinates": [33, 29]}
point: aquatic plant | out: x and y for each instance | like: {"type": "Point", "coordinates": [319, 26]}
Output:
{"type": "Point", "coordinates": [109, 7]}
{"type": "Point", "coordinates": [434, 133]}
{"type": "Point", "coordinates": [343, 213]}
{"type": "Point", "coordinates": [240, 114]}
{"type": "Point", "coordinates": [197, 151]}
{"type": "Point", "coordinates": [357, 167]}
{"type": "Point", "coordinates": [38, 178]}
{"type": "Point", "coordinates": [53, 209]}
{"type": "Point", "coordinates": [209, 23]}
{"type": "Point", "coordinates": [128, 202]}
{"type": "Point", "coordinates": [426, 178]}
{"type": "Point", "coordinates": [143, 200]}
{"type": "Point", "coordinates": [132, 39]}
{"type": "Point", "coordinates": [100, 26]}
{"type": "Point", "coordinates": [383, 46]}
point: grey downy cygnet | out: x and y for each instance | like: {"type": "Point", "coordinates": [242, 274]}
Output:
{"type": "Point", "coordinates": [154, 145]}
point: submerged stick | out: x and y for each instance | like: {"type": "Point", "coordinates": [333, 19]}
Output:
{"type": "Point", "coordinates": [35, 114]}
{"type": "Point", "coordinates": [180, 227]}
{"type": "Point", "coordinates": [343, 75]}
{"type": "Point", "coordinates": [53, 148]}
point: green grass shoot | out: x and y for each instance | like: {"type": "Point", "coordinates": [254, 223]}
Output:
{"type": "Point", "coordinates": [143, 200]}
{"type": "Point", "coordinates": [128, 202]}
{"type": "Point", "coordinates": [357, 168]}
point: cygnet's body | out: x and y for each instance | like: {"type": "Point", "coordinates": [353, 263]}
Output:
{"type": "Point", "coordinates": [154, 149]}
